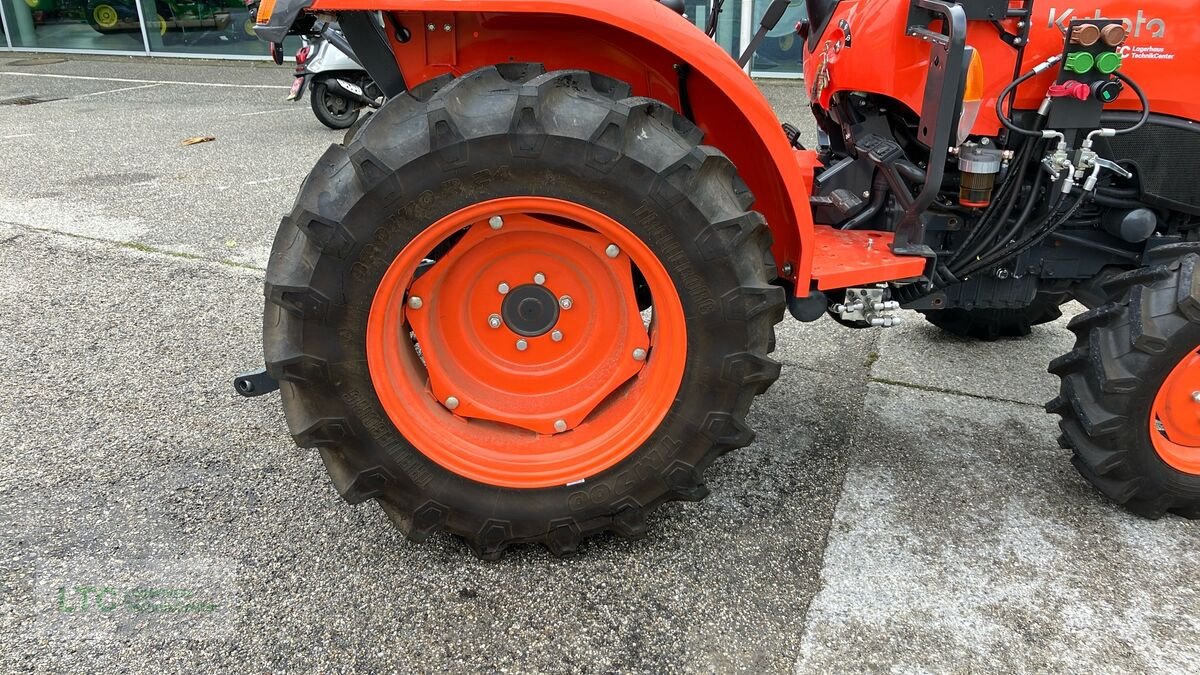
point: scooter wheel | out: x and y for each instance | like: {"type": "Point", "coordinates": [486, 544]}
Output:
{"type": "Point", "coordinates": [334, 111]}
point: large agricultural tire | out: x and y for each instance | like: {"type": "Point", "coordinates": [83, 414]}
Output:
{"type": "Point", "coordinates": [561, 164]}
{"type": "Point", "coordinates": [990, 325]}
{"type": "Point", "coordinates": [1130, 389]}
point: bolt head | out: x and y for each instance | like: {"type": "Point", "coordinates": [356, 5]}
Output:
{"type": "Point", "coordinates": [566, 302]}
{"type": "Point", "coordinates": [451, 402]}
{"type": "Point", "coordinates": [496, 222]}
{"type": "Point", "coordinates": [612, 251]}
{"type": "Point", "coordinates": [416, 302]}
{"type": "Point", "coordinates": [495, 321]}
{"type": "Point", "coordinates": [522, 345]}
{"type": "Point", "coordinates": [560, 425]}
{"type": "Point", "coordinates": [539, 278]}
{"type": "Point", "coordinates": [502, 288]}
{"type": "Point", "coordinates": [557, 336]}
{"type": "Point", "coordinates": [1196, 396]}
{"type": "Point", "coordinates": [447, 28]}
{"type": "Point", "coordinates": [431, 27]}
{"type": "Point", "coordinates": [639, 354]}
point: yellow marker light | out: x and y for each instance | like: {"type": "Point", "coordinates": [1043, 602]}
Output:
{"type": "Point", "coordinates": [972, 97]}
{"type": "Point", "coordinates": [265, 8]}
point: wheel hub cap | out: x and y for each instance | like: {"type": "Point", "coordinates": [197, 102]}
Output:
{"type": "Point", "coordinates": [530, 310]}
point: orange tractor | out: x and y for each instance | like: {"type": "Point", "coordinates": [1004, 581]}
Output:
{"type": "Point", "coordinates": [534, 296]}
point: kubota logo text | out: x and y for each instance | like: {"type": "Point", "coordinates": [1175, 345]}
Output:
{"type": "Point", "coordinates": [1136, 26]}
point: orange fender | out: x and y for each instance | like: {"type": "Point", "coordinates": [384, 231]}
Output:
{"type": "Point", "coordinates": [640, 42]}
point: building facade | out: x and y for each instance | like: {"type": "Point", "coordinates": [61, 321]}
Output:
{"type": "Point", "coordinates": [224, 29]}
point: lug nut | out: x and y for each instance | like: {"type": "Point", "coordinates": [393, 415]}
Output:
{"type": "Point", "coordinates": [502, 288]}
{"type": "Point", "coordinates": [522, 345]}
{"type": "Point", "coordinates": [495, 321]}
{"type": "Point", "coordinates": [416, 302]}
{"type": "Point", "coordinates": [639, 354]}
{"type": "Point", "coordinates": [560, 425]}
{"type": "Point", "coordinates": [496, 222]}
{"type": "Point", "coordinates": [556, 336]}
{"type": "Point", "coordinates": [612, 251]}
{"type": "Point", "coordinates": [539, 278]}
{"type": "Point", "coordinates": [451, 403]}
{"type": "Point", "coordinates": [566, 302]}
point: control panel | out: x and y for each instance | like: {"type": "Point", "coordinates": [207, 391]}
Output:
{"type": "Point", "coordinates": [1086, 80]}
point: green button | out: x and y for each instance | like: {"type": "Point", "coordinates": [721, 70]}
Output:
{"type": "Point", "coordinates": [1108, 62]}
{"type": "Point", "coordinates": [1082, 62]}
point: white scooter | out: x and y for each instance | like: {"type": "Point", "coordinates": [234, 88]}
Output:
{"type": "Point", "coordinates": [339, 87]}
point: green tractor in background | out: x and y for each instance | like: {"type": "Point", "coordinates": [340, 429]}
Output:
{"type": "Point", "coordinates": [233, 18]}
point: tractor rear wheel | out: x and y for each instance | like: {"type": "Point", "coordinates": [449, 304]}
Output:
{"type": "Point", "coordinates": [990, 325]}
{"type": "Point", "coordinates": [521, 307]}
{"type": "Point", "coordinates": [1130, 399]}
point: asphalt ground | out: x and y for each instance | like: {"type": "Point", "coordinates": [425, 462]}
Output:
{"type": "Point", "coordinates": [905, 506]}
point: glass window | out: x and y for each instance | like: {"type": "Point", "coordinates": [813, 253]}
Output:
{"type": "Point", "coordinates": [216, 27]}
{"type": "Point", "coordinates": [109, 25]}
{"type": "Point", "coordinates": [728, 29]}
{"type": "Point", "coordinates": [782, 53]}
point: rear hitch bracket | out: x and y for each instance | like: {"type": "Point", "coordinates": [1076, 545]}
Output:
{"type": "Point", "coordinates": [255, 383]}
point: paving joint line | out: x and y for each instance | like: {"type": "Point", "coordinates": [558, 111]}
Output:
{"type": "Point", "coordinates": [952, 392]}
{"type": "Point", "coordinates": [132, 245]}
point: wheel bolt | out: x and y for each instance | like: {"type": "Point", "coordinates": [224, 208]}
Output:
{"type": "Point", "coordinates": [451, 403]}
{"type": "Point", "coordinates": [416, 302]}
{"type": "Point", "coordinates": [566, 302]}
{"type": "Point", "coordinates": [496, 222]}
{"type": "Point", "coordinates": [556, 336]}
{"type": "Point", "coordinates": [560, 425]}
{"type": "Point", "coordinates": [503, 288]}
{"type": "Point", "coordinates": [494, 321]}
{"type": "Point", "coordinates": [612, 251]}
{"type": "Point", "coordinates": [639, 354]}
{"type": "Point", "coordinates": [522, 345]}
{"type": "Point", "coordinates": [539, 278]}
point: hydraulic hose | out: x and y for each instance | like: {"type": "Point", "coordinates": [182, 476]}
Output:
{"type": "Point", "coordinates": [1011, 90]}
{"type": "Point", "coordinates": [1049, 225]}
{"type": "Point", "coordinates": [1129, 81]}
{"type": "Point", "coordinates": [1019, 225]}
{"type": "Point", "coordinates": [981, 237]}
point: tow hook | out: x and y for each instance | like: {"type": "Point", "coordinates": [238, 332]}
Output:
{"type": "Point", "coordinates": [255, 383]}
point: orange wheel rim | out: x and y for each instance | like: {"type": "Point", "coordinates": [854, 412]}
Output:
{"type": "Point", "coordinates": [505, 342]}
{"type": "Point", "coordinates": [1175, 419]}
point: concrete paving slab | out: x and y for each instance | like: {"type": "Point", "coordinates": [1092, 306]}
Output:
{"type": "Point", "coordinates": [920, 354]}
{"type": "Point", "coordinates": [965, 542]}
{"type": "Point", "coordinates": [127, 444]}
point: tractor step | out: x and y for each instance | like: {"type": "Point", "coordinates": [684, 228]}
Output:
{"type": "Point", "coordinates": [845, 258]}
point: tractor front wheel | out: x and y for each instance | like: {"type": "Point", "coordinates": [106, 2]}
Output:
{"type": "Point", "coordinates": [521, 307]}
{"type": "Point", "coordinates": [1130, 399]}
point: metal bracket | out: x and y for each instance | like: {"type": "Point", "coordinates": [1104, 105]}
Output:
{"type": "Point", "coordinates": [372, 49]}
{"type": "Point", "coordinates": [940, 110]}
{"type": "Point", "coordinates": [255, 383]}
